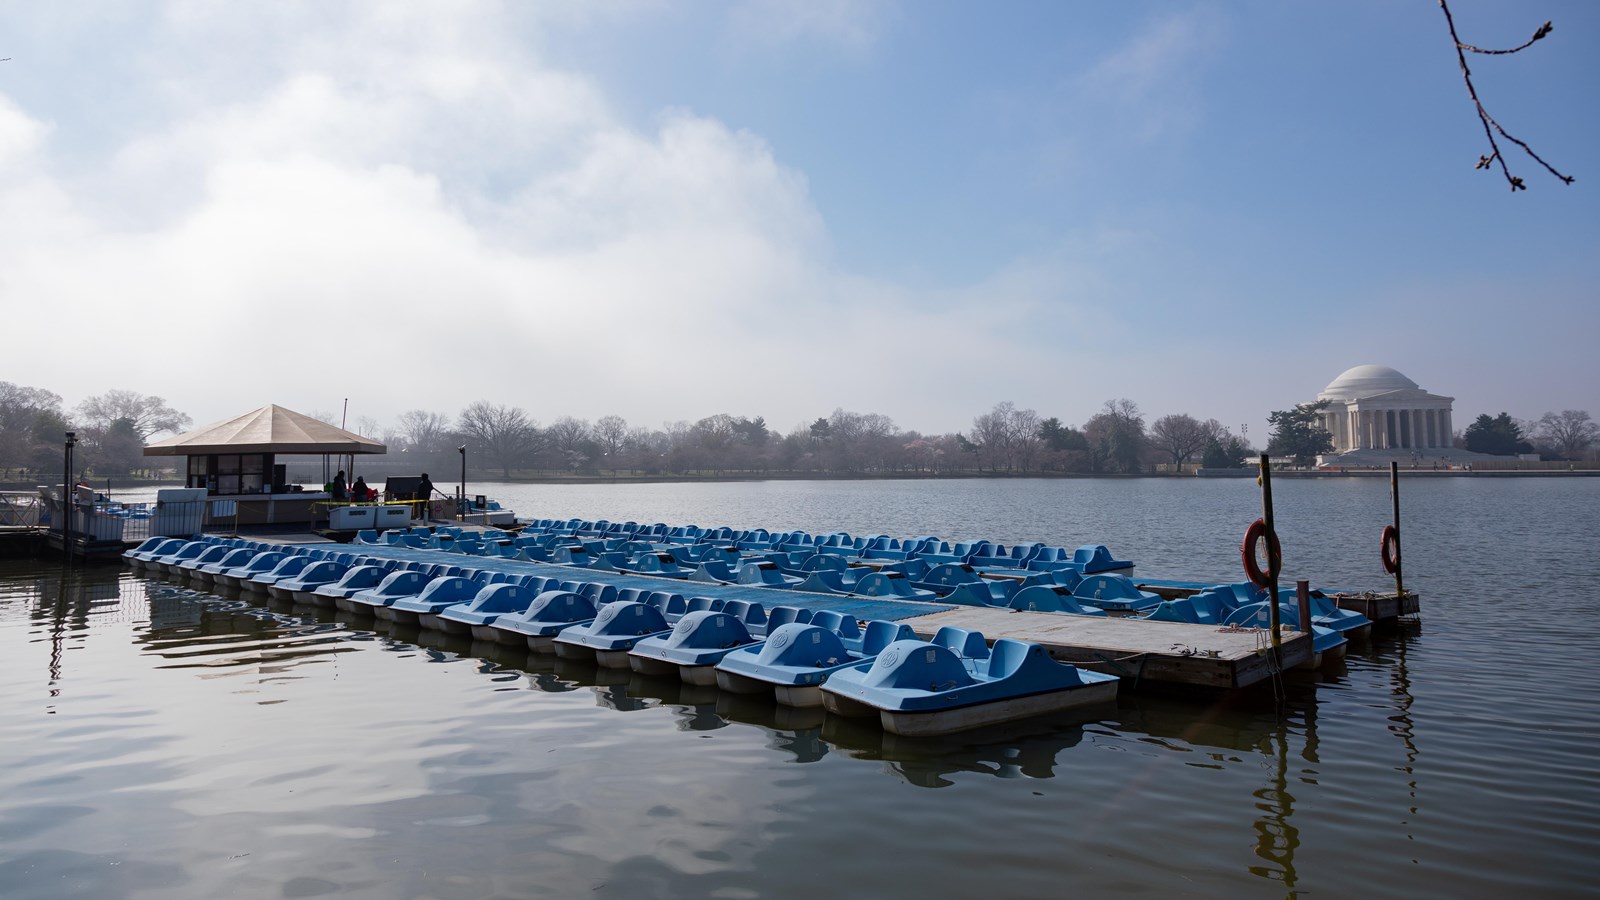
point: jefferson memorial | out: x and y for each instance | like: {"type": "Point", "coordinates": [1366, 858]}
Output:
{"type": "Point", "coordinates": [1377, 408]}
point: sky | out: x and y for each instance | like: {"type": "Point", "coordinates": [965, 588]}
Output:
{"type": "Point", "coordinates": [667, 210]}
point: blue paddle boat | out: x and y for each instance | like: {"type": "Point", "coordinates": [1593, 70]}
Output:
{"type": "Point", "coordinates": [537, 626]}
{"type": "Point", "coordinates": [797, 657]}
{"type": "Point", "coordinates": [423, 609]}
{"type": "Point", "coordinates": [397, 586]}
{"type": "Point", "coordinates": [235, 558]}
{"type": "Point", "coordinates": [692, 648]}
{"type": "Point", "coordinates": [1114, 594]}
{"type": "Point", "coordinates": [289, 567]}
{"type": "Point", "coordinates": [298, 589]}
{"type": "Point", "coordinates": [921, 688]}
{"type": "Point", "coordinates": [260, 564]}
{"type": "Point", "coordinates": [612, 635]}
{"type": "Point", "coordinates": [478, 615]}
{"type": "Point", "coordinates": [356, 578]}
{"type": "Point", "coordinates": [140, 556]}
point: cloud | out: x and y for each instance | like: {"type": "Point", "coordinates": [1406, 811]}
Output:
{"type": "Point", "coordinates": [20, 135]}
{"type": "Point", "coordinates": [849, 24]}
{"type": "Point", "coordinates": [1148, 81]}
{"type": "Point", "coordinates": [438, 216]}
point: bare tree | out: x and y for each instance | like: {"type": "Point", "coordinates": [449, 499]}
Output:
{"type": "Point", "coordinates": [992, 433]}
{"type": "Point", "coordinates": [1569, 434]}
{"type": "Point", "coordinates": [423, 431]}
{"type": "Point", "coordinates": [148, 415]}
{"type": "Point", "coordinates": [1023, 431]}
{"type": "Point", "coordinates": [611, 432]}
{"type": "Point", "coordinates": [566, 433]}
{"type": "Point", "coordinates": [1182, 436]}
{"type": "Point", "coordinates": [504, 434]}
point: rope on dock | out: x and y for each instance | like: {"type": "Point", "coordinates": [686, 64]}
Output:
{"type": "Point", "coordinates": [1115, 664]}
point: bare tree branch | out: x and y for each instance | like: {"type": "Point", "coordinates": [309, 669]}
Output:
{"type": "Point", "coordinates": [1490, 126]}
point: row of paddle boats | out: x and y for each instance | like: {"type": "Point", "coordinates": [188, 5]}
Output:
{"type": "Point", "coordinates": [1034, 577]}
{"type": "Point", "coordinates": [690, 542]}
{"type": "Point", "coordinates": [802, 656]}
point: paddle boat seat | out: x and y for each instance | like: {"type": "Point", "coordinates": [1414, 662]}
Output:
{"type": "Point", "coordinates": [748, 612]}
{"type": "Point", "coordinates": [765, 574]}
{"type": "Point", "coordinates": [842, 624]}
{"type": "Point", "coordinates": [780, 616]}
{"type": "Point", "coordinates": [1092, 558]}
{"type": "Point", "coordinates": [672, 606]}
{"type": "Point", "coordinates": [660, 565]}
{"type": "Point", "coordinates": [1114, 593]}
{"type": "Point", "coordinates": [713, 571]}
{"type": "Point", "coordinates": [1051, 598]}
{"type": "Point", "coordinates": [878, 634]}
{"type": "Point", "coordinates": [892, 585]}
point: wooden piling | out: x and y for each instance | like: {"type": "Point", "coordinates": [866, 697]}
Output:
{"type": "Point", "coordinates": [1274, 560]}
{"type": "Point", "coordinates": [1394, 494]}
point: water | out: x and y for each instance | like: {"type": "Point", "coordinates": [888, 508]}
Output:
{"type": "Point", "coordinates": [164, 743]}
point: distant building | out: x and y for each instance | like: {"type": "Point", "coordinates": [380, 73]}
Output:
{"type": "Point", "coordinates": [1377, 408]}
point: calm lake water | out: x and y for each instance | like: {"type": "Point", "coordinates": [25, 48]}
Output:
{"type": "Point", "coordinates": [159, 742]}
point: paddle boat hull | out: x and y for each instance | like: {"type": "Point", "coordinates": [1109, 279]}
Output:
{"type": "Point", "coordinates": [951, 721]}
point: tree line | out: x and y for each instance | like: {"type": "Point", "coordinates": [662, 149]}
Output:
{"type": "Point", "coordinates": [505, 440]}
{"type": "Point", "coordinates": [1004, 440]}
{"type": "Point", "coordinates": [112, 429]}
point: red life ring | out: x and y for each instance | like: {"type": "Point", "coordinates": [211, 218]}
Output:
{"type": "Point", "coordinates": [1252, 537]}
{"type": "Point", "coordinates": [1390, 549]}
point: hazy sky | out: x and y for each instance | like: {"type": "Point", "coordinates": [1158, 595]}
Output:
{"type": "Point", "coordinates": [670, 210]}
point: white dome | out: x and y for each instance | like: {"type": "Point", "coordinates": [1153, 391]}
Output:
{"type": "Point", "coordinates": [1364, 381]}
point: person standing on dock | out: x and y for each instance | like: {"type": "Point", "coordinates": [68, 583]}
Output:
{"type": "Point", "coordinates": [423, 495]}
{"type": "Point", "coordinates": [337, 488]}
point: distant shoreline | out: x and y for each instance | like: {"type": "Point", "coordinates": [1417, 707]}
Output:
{"type": "Point", "coordinates": [1249, 472]}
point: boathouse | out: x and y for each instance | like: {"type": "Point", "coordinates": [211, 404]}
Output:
{"type": "Point", "coordinates": [236, 462]}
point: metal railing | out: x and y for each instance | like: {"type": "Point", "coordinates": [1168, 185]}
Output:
{"type": "Point", "coordinates": [22, 509]}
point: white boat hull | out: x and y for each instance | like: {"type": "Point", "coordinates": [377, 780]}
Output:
{"type": "Point", "coordinates": [950, 721]}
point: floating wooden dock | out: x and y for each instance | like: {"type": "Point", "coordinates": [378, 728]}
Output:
{"type": "Point", "coordinates": [1140, 652]}
{"type": "Point", "coordinates": [1136, 650]}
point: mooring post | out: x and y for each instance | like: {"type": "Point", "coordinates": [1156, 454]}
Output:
{"type": "Point", "coordinates": [1394, 494]}
{"type": "Point", "coordinates": [1274, 560]}
{"type": "Point", "coordinates": [67, 496]}
{"type": "Point", "coordinates": [1302, 600]}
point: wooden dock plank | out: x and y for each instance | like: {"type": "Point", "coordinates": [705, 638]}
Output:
{"type": "Point", "coordinates": [1173, 652]}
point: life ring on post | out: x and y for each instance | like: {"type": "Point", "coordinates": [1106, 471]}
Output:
{"type": "Point", "coordinates": [1390, 549]}
{"type": "Point", "coordinates": [1252, 570]}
